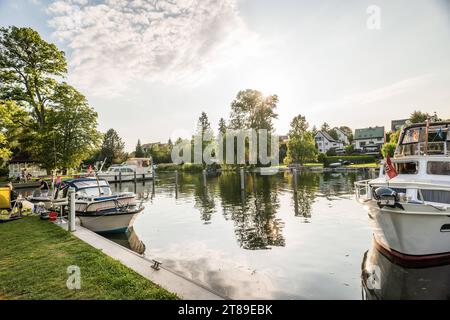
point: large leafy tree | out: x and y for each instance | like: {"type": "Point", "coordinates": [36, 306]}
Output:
{"type": "Point", "coordinates": [70, 134]}
{"type": "Point", "coordinates": [252, 110]}
{"type": "Point", "coordinates": [29, 67]}
{"type": "Point", "coordinates": [112, 148]}
{"type": "Point", "coordinates": [301, 145]}
{"type": "Point", "coordinates": [14, 123]}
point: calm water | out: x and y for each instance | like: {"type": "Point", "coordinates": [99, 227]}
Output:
{"type": "Point", "coordinates": [268, 242]}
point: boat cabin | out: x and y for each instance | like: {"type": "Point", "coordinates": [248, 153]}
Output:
{"type": "Point", "coordinates": [423, 139]}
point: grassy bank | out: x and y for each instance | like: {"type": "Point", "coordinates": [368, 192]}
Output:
{"type": "Point", "coordinates": [364, 165]}
{"type": "Point", "coordinates": [35, 254]}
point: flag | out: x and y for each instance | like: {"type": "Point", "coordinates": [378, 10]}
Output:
{"type": "Point", "coordinates": [389, 168]}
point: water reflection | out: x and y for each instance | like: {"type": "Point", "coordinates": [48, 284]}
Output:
{"type": "Point", "coordinates": [383, 279]}
{"type": "Point", "coordinates": [274, 239]}
{"type": "Point", "coordinates": [128, 240]}
{"type": "Point", "coordinates": [254, 209]}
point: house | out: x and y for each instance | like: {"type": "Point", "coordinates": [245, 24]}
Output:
{"type": "Point", "coordinates": [398, 124]}
{"type": "Point", "coordinates": [325, 142]}
{"type": "Point", "coordinates": [342, 136]}
{"type": "Point", "coordinates": [32, 168]}
{"type": "Point", "coordinates": [369, 140]}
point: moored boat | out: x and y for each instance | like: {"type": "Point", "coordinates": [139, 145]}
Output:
{"type": "Point", "coordinates": [409, 203]}
{"type": "Point", "coordinates": [98, 208]}
{"type": "Point", "coordinates": [132, 170]}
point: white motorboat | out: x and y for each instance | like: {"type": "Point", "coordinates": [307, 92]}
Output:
{"type": "Point", "coordinates": [96, 206]}
{"type": "Point", "coordinates": [410, 211]}
{"type": "Point", "coordinates": [132, 170]}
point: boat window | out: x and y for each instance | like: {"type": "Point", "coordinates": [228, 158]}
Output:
{"type": "Point", "coordinates": [406, 167]}
{"type": "Point", "coordinates": [94, 192]}
{"type": "Point", "coordinates": [439, 196]}
{"type": "Point", "coordinates": [438, 167]}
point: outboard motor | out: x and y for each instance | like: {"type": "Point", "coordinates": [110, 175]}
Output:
{"type": "Point", "coordinates": [386, 197]}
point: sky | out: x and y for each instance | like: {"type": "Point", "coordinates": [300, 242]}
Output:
{"type": "Point", "coordinates": [150, 67]}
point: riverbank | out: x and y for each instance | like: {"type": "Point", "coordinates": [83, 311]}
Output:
{"type": "Point", "coordinates": [34, 257]}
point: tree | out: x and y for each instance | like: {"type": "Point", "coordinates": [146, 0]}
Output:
{"type": "Point", "coordinates": [301, 145]}
{"type": "Point", "coordinates": [14, 129]}
{"type": "Point", "coordinates": [139, 152]}
{"type": "Point", "coordinates": [204, 132]}
{"type": "Point", "coordinates": [70, 133]}
{"type": "Point", "coordinates": [348, 132]}
{"type": "Point", "coordinates": [420, 117]}
{"type": "Point", "coordinates": [112, 148]}
{"type": "Point", "coordinates": [334, 134]}
{"type": "Point", "coordinates": [325, 127]}
{"type": "Point", "coordinates": [252, 110]}
{"type": "Point", "coordinates": [389, 147]}
{"type": "Point", "coordinates": [28, 69]}
{"type": "Point", "coordinates": [222, 126]}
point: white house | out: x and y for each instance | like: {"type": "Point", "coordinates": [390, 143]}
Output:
{"type": "Point", "coordinates": [342, 136]}
{"type": "Point", "coordinates": [370, 139]}
{"type": "Point", "coordinates": [325, 142]}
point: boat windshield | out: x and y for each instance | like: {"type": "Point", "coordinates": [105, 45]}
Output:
{"type": "Point", "coordinates": [94, 192]}
{"type": "Point", "coordinates": [438, 168]}
{"type": "Point", "coordinates": [415, 141]}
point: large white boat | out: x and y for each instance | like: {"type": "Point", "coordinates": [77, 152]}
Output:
{"type": "Point", "coordinates": [410, 212]}
{"type": "Point", "coordinates": [131, 170]}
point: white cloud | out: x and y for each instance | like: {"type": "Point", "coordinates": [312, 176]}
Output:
{"type": "Point", "coordinates": [115, 42]}
{"type": "Point", "coordinates": [389, 91]}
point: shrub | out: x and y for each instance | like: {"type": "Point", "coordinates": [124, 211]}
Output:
{"type": "Point", "coordinates": [167, 167]}
{"type": "Point", "coordinates": [352, 159]}
{"type": "Point", "coordinates": [322, 157]}
{"type": "Point", "coordinates": [192, 167]}
{"type": "Point", "coordinates": [331, 152]}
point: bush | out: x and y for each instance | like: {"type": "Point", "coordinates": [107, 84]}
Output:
{"type": "Point", "coordinates": [167, 167]}
{"type": "Point", "coordinates": [322, 157]}
{"type": "Point", "coordinates": [192, 167]}
{"type": "Point", "coordinates": [331, 152]}
{"type": "Point", "coordinates": [353, 159]}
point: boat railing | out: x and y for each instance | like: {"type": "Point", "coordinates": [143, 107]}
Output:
{"type": "Point", "coordinates": [363, 191]}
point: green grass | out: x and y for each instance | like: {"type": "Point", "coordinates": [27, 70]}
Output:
{"type": "Point", "coordinates": [313, 164]}
{"type": "Point", "coordinates": [35, 254]}
{"type": "Point", "coordinates": [364, 165]}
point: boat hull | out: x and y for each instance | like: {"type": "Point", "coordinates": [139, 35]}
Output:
{"type": "Point", "coordinates": [413, 235]}
{"type": "Point", "coordinates": [109, 223]}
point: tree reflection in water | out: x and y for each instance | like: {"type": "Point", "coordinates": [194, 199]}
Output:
{"type": "Point", "coordinates": [253, 210]}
